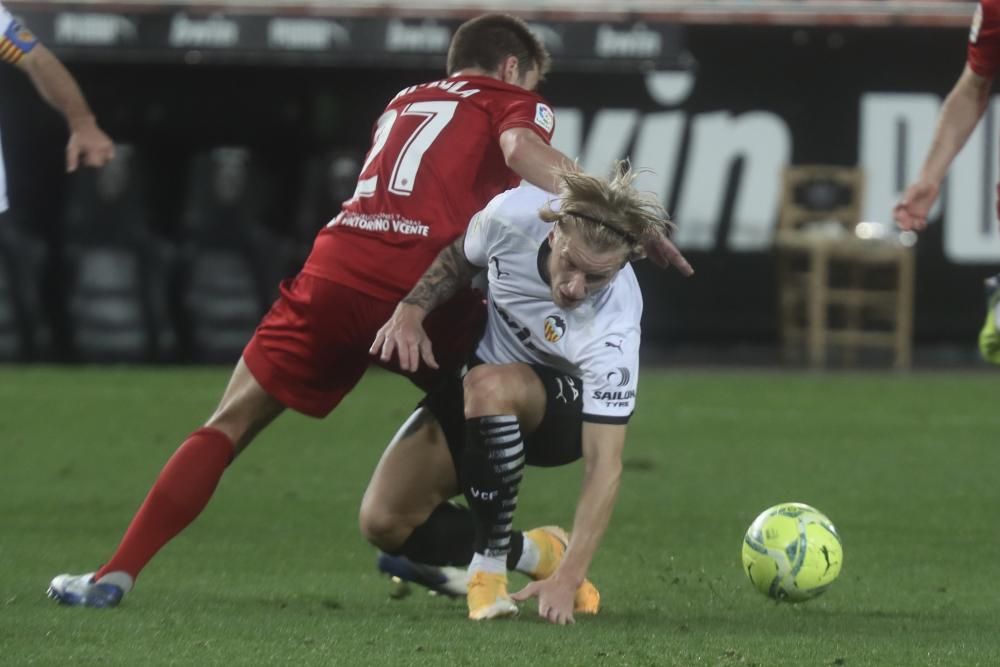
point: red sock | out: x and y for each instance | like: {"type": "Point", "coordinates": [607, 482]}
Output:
{"type": "Point", "coordinates": [179, 495]}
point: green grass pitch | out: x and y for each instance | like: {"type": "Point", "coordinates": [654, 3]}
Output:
{"type": "Point", "coordinates": [275, 571]}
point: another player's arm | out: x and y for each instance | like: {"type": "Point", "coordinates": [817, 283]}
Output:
{"type": "Point", "coordinates": [960, 114]}
{"type": "Point", "coordinates": [535, 161]}
{"type": "Point", "coordinates": [58, 87]}
{"type": "Point", "coordinates": [532, 159]}
{"type": "Point", "coordinates": [602, 456]}
{"type": "Point", "coordinates": [404, 332]}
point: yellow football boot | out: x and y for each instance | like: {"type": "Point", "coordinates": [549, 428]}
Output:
{"type": "Point", "coordinates": [488, 597]}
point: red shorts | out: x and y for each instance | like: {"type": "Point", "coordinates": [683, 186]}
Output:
{"type": "Point", "coordinates": [312, 346]}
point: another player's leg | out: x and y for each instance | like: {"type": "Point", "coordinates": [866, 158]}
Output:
{"type": "Point", "coordinates": [989, 336]}
{"type": "Point", "coordinates": [406, 515]}
{"type": "Point", "coordinates": [180, 493]}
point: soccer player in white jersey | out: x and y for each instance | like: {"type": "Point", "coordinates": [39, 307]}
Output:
{"type": "Point", "coordinates": [553, 379]}
{"type": "Point", "coordinates": [87, 143]}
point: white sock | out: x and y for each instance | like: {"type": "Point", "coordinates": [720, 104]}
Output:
{"type": "Point", "coordinates": [493, 565]}
{"type": "Point", "coordinates": [122, 580]}
{"type": "Point", "coordinates": [528, 562]}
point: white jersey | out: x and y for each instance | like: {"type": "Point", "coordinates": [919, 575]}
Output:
{"type": "Point", "coordinates": [598, 341]}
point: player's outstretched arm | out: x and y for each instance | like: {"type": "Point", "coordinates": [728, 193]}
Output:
{"type": "Point", "coordinates": [534, 160]}
{"type": "Point", "coordinates": [404, 332]}
{"type": "Point", "coordinates": [602, 456]}
{"type": "Point", "coordinates": [960, 113]}
{"type": "Point", "coordinates": [88, 144]}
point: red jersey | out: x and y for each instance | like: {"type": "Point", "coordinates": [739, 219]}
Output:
{"type": "Point", "coordinates": [984, 39]}
{"type": "Point", "coordinates": [435, 161]}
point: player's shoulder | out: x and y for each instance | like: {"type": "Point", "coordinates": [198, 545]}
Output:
{"type": "Point", "coordinates": [626, 295]}
{"type": "Point", "coordinates": [520, 206]}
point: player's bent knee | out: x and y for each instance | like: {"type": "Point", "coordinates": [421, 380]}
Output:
{"type": "Point", "coordinates": [382, 529]}
{"type": "Point", "coordinates": [491, 389]}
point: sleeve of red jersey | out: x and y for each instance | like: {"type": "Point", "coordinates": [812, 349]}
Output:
{"type": "Point", "coordinates": [984, 39]}
{"type": "Point", "coordinates": [528, 111]}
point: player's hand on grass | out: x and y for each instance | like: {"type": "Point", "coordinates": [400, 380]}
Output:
{"type": "Point", "coordinates": [910, 213]}
{"type": "Point", "coordinates": [88, 144]}
{"type": "Point", "coordinates": [555, 599]}
{"type": "Point", "coordinates": [404, 334]}
{"type": "Point", "coordinates": [664, 253]}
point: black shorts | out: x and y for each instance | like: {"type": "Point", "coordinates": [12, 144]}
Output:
{"type": "Point", "coordinates": [557, 440]}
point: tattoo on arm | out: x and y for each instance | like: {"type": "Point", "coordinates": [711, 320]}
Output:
{"type": "Point", "coordinates": [449, 272]}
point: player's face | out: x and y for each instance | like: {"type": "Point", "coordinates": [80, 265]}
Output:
{"type": "Point", "coordinates": [576, 270]}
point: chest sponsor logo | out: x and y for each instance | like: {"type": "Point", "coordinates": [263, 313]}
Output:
{"type": "Point", "coordinates": [554, 328]}
{"type": "Point", "coordinates": [386, 222]}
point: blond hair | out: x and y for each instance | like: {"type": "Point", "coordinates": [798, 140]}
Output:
{"type": "Point", "coordinates": [609, 214]}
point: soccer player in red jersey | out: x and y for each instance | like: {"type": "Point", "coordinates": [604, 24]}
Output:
{"type": "Point", "coordinates": [440, 151]}
{"type": "Point", "coordinates": [960, 114]}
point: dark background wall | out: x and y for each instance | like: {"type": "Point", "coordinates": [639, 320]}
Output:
{"type": "Point", "coordinates": [812, 78]}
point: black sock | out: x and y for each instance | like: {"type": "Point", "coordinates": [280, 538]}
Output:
{"type": "Point", "coordinates": [447, 538]}
{"type": "Point", "coordinates": [444, 539]}
{"type": "Point", "coordinates": [491, 471]}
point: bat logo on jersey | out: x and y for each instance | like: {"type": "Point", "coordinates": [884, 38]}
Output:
{"type": "Point", "coordinates": [554, 328]}
{"type": "Point", "coordinates": [571, 385]}
{"type": "Point", "coordinates": [977, 22]}
{"type": "Point", "coordinates": [619, 377]}
{"type": "Point", "coordinates": [544, 118]}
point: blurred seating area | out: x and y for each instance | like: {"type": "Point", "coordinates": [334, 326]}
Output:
{"type": "Point", "coordinates": [127, 277]}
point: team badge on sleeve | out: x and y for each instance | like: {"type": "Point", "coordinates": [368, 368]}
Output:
{"type": "Point", "coordinates": [15, 42]}
{"type": "Point", "coordinates": [977, 22]}
{"type": "Point", "coordinates": [544, 118]}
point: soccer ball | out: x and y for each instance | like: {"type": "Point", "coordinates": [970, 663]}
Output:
{"type": "Point", "coordinates": [792, 552]}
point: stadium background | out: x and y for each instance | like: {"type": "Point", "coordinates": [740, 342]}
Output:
{"type": "Point", "coordinates": [246, 130]}
{"type": "Point", "coordinates": [243, 126]}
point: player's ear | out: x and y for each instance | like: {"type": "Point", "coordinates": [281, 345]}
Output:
{"type": "Point", "coordinates": [510, 70]}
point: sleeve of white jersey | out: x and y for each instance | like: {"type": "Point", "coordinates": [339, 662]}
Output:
{"type": "Point", "coordinates": [482, 233]}
{"type": "Point", "coordinates": [5, 19]}
{"type": "Point", "coordinates": [611, 377]}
